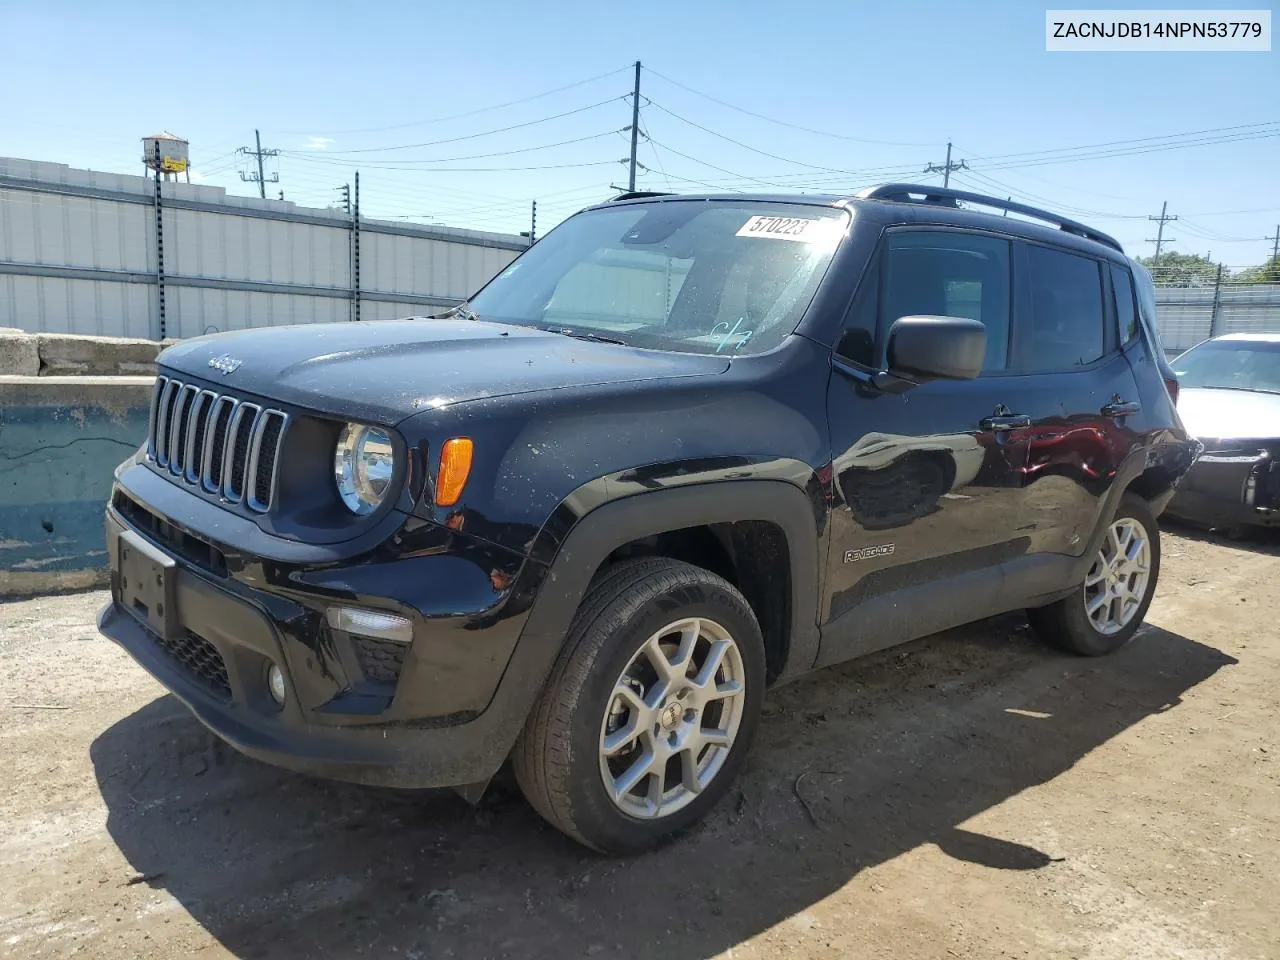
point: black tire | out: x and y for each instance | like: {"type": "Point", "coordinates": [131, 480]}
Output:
{"type": "Point", "coordinates": [1065, 623]}
{"type": "Point", "coordinates": [556, 758]}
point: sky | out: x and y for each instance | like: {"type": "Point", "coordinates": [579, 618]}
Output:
{"type": "Point", "coordinates": [441, 106]}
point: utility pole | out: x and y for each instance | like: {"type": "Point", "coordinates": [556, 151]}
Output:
{"type": "Point", "coordinates": [1159, 240]}
{"type": "Point", "coordinates": [1275, 242]}
{"type": "Point", "coordinates": [635, 129]}
{"type": "Point", "coordinates": [260, 178]}
{"type": "Point", "coordinates": [947, 167]}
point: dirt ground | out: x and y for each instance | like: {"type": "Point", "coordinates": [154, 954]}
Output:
{"type": "Point", "coordinates": [971, 795]}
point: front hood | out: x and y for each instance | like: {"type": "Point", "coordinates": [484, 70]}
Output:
{"type": "Point", "coordinates": [385, 371]}
{"type": "Point", "coordinates": [1229, 414]}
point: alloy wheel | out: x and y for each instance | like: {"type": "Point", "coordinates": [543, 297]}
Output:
{"type": "Point", "coordinates": [672, 718]}
{"type": "Point", "coordinates": [1117, 582]}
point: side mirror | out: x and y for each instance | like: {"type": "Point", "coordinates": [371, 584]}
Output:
{"type": "Point", "coordinates": [936, 348]}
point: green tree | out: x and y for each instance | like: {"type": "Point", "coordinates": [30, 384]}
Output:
{"type": "Point", "coordinates": [1173, 269]}
{"type": "Point", "coordinates": [1268, 272]}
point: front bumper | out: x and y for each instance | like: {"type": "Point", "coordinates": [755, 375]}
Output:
{"type": "Point", "coordinates": [1231, 487]}
{"type": "Point", "coordinates": [432, 714]}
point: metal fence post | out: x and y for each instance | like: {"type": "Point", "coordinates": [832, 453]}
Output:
{"type": "Point", "coordinates": [355, 260]}
{"type": "Point", "coordinates": [1217, 303]}
{"type": "Point", "coordinates": [159, 248]}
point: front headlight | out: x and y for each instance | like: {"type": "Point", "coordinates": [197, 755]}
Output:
{"type": "Point", "coordinates": [363, 464]}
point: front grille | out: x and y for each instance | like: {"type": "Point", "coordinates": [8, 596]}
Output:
{"type": "Point", "coordinates": [191, 548]}
{"type": "Point", "coordinates": [200, 659]}
{"type": "Point", "coordinates": [380, 660]}
{"type": "Point", "coordinates": [224, 444]}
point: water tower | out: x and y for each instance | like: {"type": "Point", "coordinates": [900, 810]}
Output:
{"type": "Point", "coordinates": [167, 155]}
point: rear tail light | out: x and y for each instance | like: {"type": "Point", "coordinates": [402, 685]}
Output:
{"type": "Point", "coordinates": [1171, 384]}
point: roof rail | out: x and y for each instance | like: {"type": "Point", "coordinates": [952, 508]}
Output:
{"type": "Point", "coordinates": [945, 196]}
{"type": "Point", "coordinates": [638, 194]}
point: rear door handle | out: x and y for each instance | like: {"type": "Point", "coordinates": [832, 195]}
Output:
{"type": "Point", "coordinates": [1002, 424]}
{"type": "Point", "coordinates": [1121, 408]}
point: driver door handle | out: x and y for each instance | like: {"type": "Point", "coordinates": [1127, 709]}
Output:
{"type": "Point", "coordinates": [1005, 422]}
{"type": "Point", "coordinates": [1121, 408]}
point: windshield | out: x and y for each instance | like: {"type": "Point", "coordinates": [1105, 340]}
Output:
{"type": "Point", "coordinates": [726, 277]}
{"type": "Point", "coordinates": [1231, 365]}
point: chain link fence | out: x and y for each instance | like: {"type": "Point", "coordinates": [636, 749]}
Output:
{"type": "Point", "coordinates": [1191, 309]}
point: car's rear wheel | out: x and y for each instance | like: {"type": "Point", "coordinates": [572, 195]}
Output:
{"type": "Point", "coordinates": [650, 710]}
{"type": "Point", "coordinates": [1110, 605]}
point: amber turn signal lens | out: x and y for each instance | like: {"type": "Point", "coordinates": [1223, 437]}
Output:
{"type": "Point", "coordinates": [455, 466]}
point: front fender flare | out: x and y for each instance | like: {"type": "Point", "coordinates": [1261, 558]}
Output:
{"type": "Point", "coordinates": [607, 527]}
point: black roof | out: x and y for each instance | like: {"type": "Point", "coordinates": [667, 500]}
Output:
{"type": "Point", "coordinates": [933, 198]}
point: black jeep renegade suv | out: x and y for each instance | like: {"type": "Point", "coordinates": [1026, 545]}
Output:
{"type": "Point", "coordinates": [681, 449]}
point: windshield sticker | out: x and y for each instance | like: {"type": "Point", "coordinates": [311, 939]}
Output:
{"type": "Point", "coordinates": [726, 332]}
{"type": "Point", "coordinates": [788, 228]}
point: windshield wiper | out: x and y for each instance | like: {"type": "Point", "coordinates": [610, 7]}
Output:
{"type": "Point", "coordinates": [583, 335]}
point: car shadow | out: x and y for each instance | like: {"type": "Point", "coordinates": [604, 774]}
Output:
{"type": "Point", "coordinates": [854, 766]}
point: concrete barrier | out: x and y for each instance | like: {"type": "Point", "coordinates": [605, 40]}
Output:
{"type": "Point", "coordinates": [64, 354]}
{"type": "Point", "coordinates": [61, 438]}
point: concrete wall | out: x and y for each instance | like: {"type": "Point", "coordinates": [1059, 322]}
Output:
{"type": "Point", "coordinates": [60, 439]}
{"type": "Point", "coordinates": [78, 255]}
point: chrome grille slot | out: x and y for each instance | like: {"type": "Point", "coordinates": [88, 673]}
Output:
{"type": "Point", "coordinates": [156, 394]}
{"type": "Point", "coordinates": [165, 405]}
{"type": "Point", "coordinates": [264, 452]}
{"type": "Point", "coordinates": [216, 441]}
{"type": "Point", "coordinates": [236, 460]}
{"type": "Point", "coordinates": [196, 427]}
{"type": "Point", "coordinates": [178, 417]}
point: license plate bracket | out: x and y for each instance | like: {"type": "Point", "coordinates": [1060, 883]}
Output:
{"type": "Point", "coordinates": [148, 585]}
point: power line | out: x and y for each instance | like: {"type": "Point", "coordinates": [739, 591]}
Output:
{"type": "Point", "coordinates": [781, 123]}
{"type": "Point", "coordinates": [549, 166]}
{"type": "Point", "coordinates": [470, 113]}
{"type": "Point", "coordinates": [657, 157]}
{"type": "Point", "coordinates": [485, 133]}
{"type": "Point", "coordinates": [745, 146]}
{"type": "Point", "coordinates": [706, 163]}
{"type": "Point", "coordinates": [1132, 151]}
{"type": "Point", "coordinates": [1114, 143]}
{"type": "Point", "coordinates": [320, 155]}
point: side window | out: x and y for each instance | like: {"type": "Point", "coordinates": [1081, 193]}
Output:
{"type": "Point", "coordinates": [1066, 327]}
{"type": "Point", "coordinates": [1126, 312]}
{"type": "Point", "coordinates": [950, 274]}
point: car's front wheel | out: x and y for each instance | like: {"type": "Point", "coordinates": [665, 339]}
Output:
{"type": "Point", "coordinates": [650, 710]}
{"type": "Point", "coordinates": [1109, 607]}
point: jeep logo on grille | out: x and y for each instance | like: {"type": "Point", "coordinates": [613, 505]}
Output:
{"type": "Point", "coordinates": [225, 364]}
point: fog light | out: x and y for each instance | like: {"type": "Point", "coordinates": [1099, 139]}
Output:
{"type": "Point", "coordinates": [370, 623]}
{"type": "Point", "coordinates": [275, 683]}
